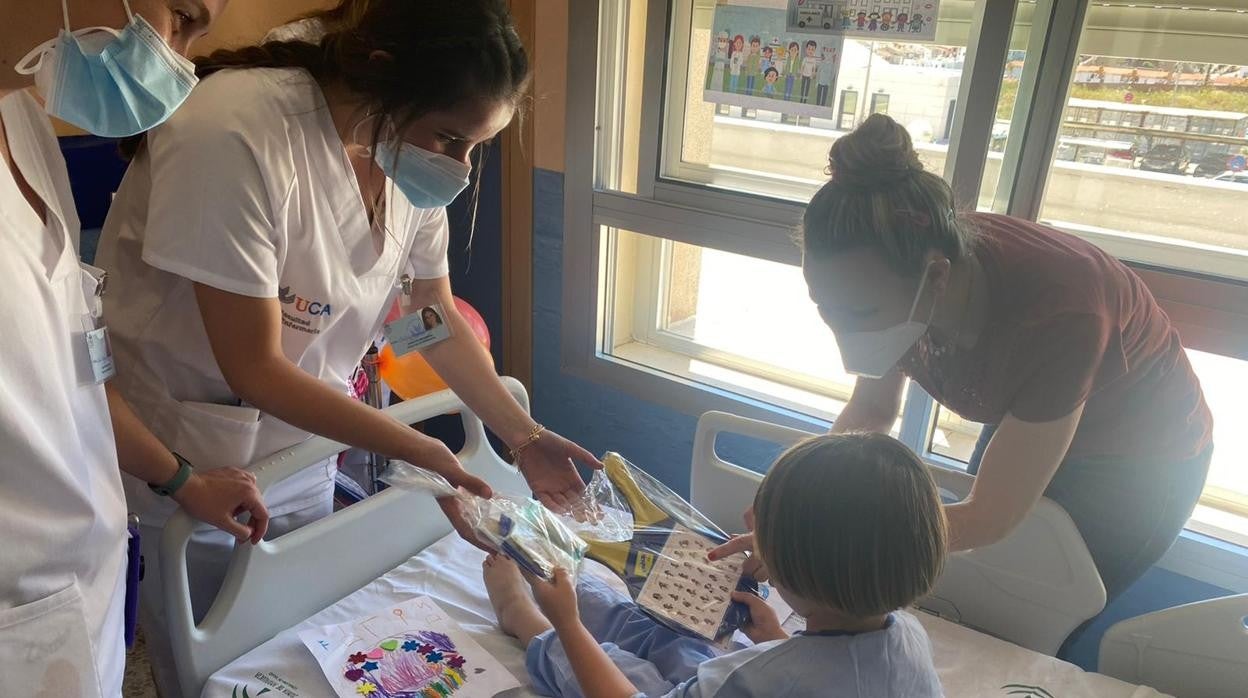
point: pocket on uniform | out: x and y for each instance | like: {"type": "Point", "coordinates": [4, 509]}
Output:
{"type": "Point", "coordinates": [46, 648]}
{"type": "Point", "coordinates": [215, 436]}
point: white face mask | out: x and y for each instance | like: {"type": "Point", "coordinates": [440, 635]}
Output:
{"type": "Point", "coordinates": [874, 354]}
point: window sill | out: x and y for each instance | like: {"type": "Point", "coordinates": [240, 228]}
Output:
{"type": "Point", "coordinates": [1212, 549]}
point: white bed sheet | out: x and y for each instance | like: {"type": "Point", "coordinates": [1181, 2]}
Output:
{"type": "Point", "coordinates": [970, 663]}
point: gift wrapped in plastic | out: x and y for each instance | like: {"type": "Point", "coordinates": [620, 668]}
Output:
{"type": "Point", "coordinates": [663, 557]}
{"type": "Point", "coordinates": [521, 528]}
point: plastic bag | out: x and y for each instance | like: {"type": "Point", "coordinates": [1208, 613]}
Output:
{"type": "Point", "coordinates": [663, 559]}
{"type": "Point", "coordinates": [521, 528]}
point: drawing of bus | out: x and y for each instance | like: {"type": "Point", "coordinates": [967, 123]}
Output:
{"type": "Point", "coordinates": [817, 14]}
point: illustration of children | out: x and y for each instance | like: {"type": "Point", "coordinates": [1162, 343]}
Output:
{"type": "Point", "coordinates": [769, 60]}
{"type": "Point", "coordinates": [847, 19]}
{"type": "Point", "coordinates": [827, 76]}
{"type": "Point", "coordinates": [792, 65]}
{"type": "Point", "coordinates": [810, 65]}
{"type": "Point", "coordinates": [903, 20]}
{"type": "Point", "coordinates": [719, 61]}
{"type": "Point", "coordinates": [752, 61]}
{"type": "Point", "coordinates": [886, 20]}
{"type": "Point", "coordinates": [916, 24]}
{"type": "Point", "coordinates": [873, 21]}
{"type": "Point", "coordinates": [862, 21]}
{"type": "Point", "coordinates": [770, 76]}
{"type": "Point", "coordinates": [735, 61]}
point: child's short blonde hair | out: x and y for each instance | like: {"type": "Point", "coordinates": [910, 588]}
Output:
{"type": "Point", "coordinates": [852, 522]}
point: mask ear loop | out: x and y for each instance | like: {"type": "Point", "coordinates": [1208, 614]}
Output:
{"type": "Point", "coordinates": [126, 3]}
{"type": "Point", "coordinates": [32, 62]}
{"type": "Point", "coordinates": [931, 313]}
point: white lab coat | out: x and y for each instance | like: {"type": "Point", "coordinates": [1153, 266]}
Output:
{"type": "Point", "coordinates": [246, 189]}
{"type": "Point", "coordinates": [62, 513]}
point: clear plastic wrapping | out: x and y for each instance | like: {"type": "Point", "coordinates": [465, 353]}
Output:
{"type": "Point", "coordinates": [524, 530]}
{"type": "Point", "coordinates": [663, 559]}
{"type": "Point", "coordinates": [654, 540]}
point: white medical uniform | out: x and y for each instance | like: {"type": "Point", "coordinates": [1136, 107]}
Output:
{"type": "Point", "coordinates": [62, 512]}
{"type": "Point", "coordinates": [246, 189]}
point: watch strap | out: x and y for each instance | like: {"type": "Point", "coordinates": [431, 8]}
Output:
{"type": "Point", "coordinates": [179, 479]}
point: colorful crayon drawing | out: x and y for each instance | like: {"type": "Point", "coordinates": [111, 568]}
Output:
{"type": "Point", "coordinates": [753, 62]}
{"type": "Point", "coordinates": [411, 650]}
{"type": "Point", "coordinates": [883, 20]}
{"type": "Point", "coordinates": [423, 664]}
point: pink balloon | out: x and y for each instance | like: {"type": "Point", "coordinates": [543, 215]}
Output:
{"type": "Point", "coordinates": [475, 321]}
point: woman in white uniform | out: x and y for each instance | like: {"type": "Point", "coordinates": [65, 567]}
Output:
{"type": "Point", "coordinates": [62, 512]}
{"type": "Point", "coordinates": [260, 236]}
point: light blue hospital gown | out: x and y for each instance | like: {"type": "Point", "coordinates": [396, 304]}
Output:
{"type": "Point", "coordinates": [892, 662]}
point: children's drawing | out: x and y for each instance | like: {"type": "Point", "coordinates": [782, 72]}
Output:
{"type": "Point", "coordinates": [755, 62]}
{"type": "Point", "coordinates": [412, 650]}
{"type": "Point", "coordinates": [879, 20]}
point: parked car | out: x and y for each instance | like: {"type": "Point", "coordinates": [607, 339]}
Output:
{"type": "Point", "coordinates": [1236, 177]}
{"type": "Point", "coordinates": [1165, 158]}
{"type": "Point", "coordinates": [1209, 165]}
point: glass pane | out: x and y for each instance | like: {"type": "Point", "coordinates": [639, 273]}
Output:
{"type": "Point", "coordinates": [1155, 128]}
{"type": "Point", "coordinates": [780, 150]}
{"type": "Point", "coordinates": [1016, 61]}
{"type": "Point", "coordinates": [1224, 381]}
{"type": "Point", "coordinates": [954, 437]}
{"type": "Point", "coordinates": [707, 303]}
{"type": "Point", "coordinates": [686, 310]}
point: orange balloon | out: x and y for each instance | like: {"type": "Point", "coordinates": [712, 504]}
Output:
{"type": "Point", "coordinates": [410, 376]}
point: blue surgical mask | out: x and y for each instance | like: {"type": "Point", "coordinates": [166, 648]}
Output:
{"type": "Point", "coordinates": [428, 180]}
{"type": "Point", "coordinates": [107, 82]}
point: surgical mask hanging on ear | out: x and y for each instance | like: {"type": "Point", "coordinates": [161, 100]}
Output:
{"type": "Point", "coordinates": [107, 82]}
{"type": "Point", "coordinates": [428, 180]}
{"type": "Point", "coordinates": [874, 354]}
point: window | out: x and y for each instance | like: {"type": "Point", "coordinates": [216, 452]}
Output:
{"type": "Point", "coordinates": [879, 103]}
{"type": "Point", "coordinates": [847, 116]}
{"type": "Point", "coordinates": [782, 150]}
{"type": "Point", "coordinates": [1163, 209]}
{"type": "Point", "coordinates": [684, 286]}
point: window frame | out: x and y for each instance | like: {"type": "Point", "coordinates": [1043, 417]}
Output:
{"type": "Point", "coordinates": [1209, 310]}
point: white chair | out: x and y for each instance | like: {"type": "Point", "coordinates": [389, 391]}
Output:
{"type": "Point", "coordinates": [1198, 650]}
{"type": "Point", "coordinates": [1032, 588]}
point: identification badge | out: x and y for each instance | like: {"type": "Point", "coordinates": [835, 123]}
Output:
{"type": "Point", "coordinates": [417, 327]}
{"type": "Point", "coordinates": [95, 351]}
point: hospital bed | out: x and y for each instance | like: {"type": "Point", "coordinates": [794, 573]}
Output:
{"type": "Point", "coordinates": [397, 545]}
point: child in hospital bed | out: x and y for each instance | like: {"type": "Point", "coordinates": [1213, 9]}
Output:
{"type": "Point", "coordinates": [850, 529]}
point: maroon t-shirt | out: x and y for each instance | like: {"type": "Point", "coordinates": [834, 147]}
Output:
{"type": "Point", "coordinates": [1068, 324]}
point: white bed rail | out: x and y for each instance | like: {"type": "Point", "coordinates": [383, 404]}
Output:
{"type": "Point", "coordinates": [1197, 650]}
{"type": "Point", "coordinates": [276, 584]}
{"type": "Point", "coordinates": [1032, 588]}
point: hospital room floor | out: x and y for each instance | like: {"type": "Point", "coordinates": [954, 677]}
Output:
{"type": "Point", "coordinates": [138, 683]}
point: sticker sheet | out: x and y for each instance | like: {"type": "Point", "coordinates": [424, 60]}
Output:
{"type": "Point", "coordinates": [756, 62]}
{"type": "Point", "coordinates": [687, 589]}
{"type": "Point", "coordinates": [876, 20]}
{"type": "Point", "coordinates": [410, 650]}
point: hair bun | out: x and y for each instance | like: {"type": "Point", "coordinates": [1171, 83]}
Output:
{"type": "Point", "coordinates": [876, 155]}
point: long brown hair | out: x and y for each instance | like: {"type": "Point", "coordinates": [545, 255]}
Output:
{"type": "Point", "coordinates": [438, 55]}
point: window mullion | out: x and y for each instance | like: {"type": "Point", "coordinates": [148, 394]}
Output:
{"type": "Point", "coordinates": [918, 418]}
{"type": "Point", "coordinates": [977, 97]}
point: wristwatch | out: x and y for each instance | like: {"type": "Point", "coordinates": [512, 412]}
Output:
{"type": "Point", "coordinates": [175, 483]}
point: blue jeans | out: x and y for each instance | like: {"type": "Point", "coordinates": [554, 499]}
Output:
{"type": "Point", "coordinates": [1129, 511]}
{"type": "Point", "coordinates": [653, 657]}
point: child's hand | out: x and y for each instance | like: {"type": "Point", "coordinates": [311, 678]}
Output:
{"type": "Point", "coordinates": [764, 625]}
{"type": "Point", "coordinates": [556, 598]}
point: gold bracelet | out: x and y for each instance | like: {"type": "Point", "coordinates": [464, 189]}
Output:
{"type": "Point", "coordinates": [534, 435]}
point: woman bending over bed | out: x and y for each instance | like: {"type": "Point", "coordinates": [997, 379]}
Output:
{"type": "Point", "coordinates": [852, 530]}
